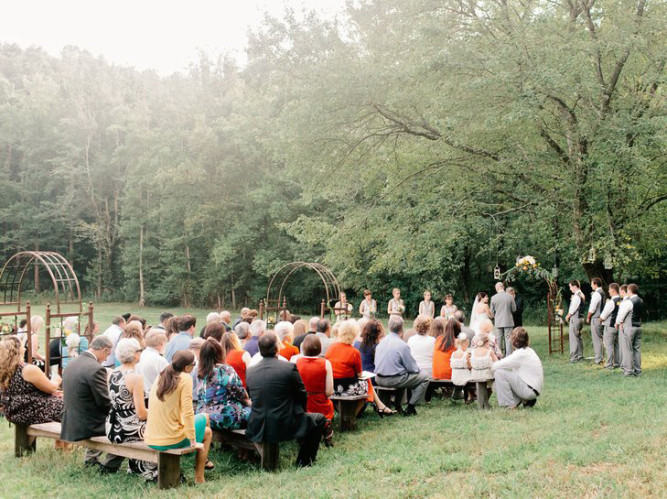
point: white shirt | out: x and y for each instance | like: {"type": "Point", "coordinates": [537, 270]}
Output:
{"type": "Point", "coordinates": [149, 367]}
{"type": "Point", "coordinates": [605, 315]}
{"type": "Point", "coordinates": [257, 358]}
{"type": "Point", "coordinates": [113, 332]}
{"type": "Point", "coordinates": [624, 309]}
{"type": "Point", "coordinates": [575, 301]}
{"type": "Point", "coordinates": [596, 298]}
{"type": "Point", "coordinates": [326, 342]}
{"type": "Point", "coordinates": [526, 364]}
{"type": "Point", "coordinates": [422, 348]}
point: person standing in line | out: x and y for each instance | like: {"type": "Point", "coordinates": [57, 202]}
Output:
{"type": "Point", "coordinates": [502, 307]}
{"type": "Point", "coordinates": [574, 318]}
{"type": "Point", "coordinates": [368, 307]}
{"type": "Point", "coordinates": [610, 334]}
{"type": "Point", "coordinates": [629, 322]}
{"type": "Point", "coordinates": [517, 315]}
{"type": "Point", "coordinates": [427, 307]}
{"type": "Point", "coordinates": [448, 309]}
{"type": "Point", "coordinates": [396, 307]}
{"type": "Point", "coordinates": [342, 308]}
{"type": "Point", "coordinates": [594, 310]}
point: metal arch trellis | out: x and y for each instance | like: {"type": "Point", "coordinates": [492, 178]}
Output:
{"type": "Point", "coordinates": [272, 302]}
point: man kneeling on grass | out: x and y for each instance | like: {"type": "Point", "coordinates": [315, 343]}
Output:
{"type": "Point", "coordinates": [519, 376]}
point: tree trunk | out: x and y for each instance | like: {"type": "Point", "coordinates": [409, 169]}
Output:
{"type": "Point", "coordinates": [98, 293]}
{"type": "Point", "coordinates": [596, 269]}
{"type": "Point", "coordinates": [142, 294]}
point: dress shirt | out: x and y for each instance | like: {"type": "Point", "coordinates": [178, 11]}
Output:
{"type": "Point", "coordinates": [421, 348]}
{"type": "Point", "coordinates": [526, 364]}
{"type": "Point", "coordinates": [113, 332]}
{"type": "Point", "coordinates": [326, 342]}
{"type": "Point", "coordinates": [575, 301]}
{"type": "Point", "coordinates": [596, 298]}
{"type": "Point", "coordinates": [251, 345]}
{"type": "Point", "coordinates": [624, 310]}
{"type": "Point", "coordinates": [178, 343]}
{"type": "Point", "coordinates": [605, 315]}
{"type": "Point", "coordinates": [257, 358]}
{"type": "Point", "coordinates": [150, 365]}
{"type": "Point", "coordinates": [393, 357]}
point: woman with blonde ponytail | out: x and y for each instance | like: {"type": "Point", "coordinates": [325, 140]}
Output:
{"type": "Point", "coordinates": [172, 423]}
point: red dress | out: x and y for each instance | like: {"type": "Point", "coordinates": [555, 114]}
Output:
{"type": "Point", "coordinates": [442, 368]}
{"type": "Point", "coordinates": [235, 359]}
{"type": "Point", "coordinates": [288, 351]}
{"type": "Point", "coordinates": [313, 372]}
{"type": "Point", "coordinates": [346, 363]}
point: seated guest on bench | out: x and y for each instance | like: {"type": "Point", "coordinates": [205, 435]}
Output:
{"type": "Point", "coordinates": [220, 392]}
{"type": "Point", "coordinates": [152, 363]}
{"type": "Point", "coordinates": [445, 345]}
{"type": "Point", "coordinates": [27, 396]}
{"type": "Point", "coordinates": [422, 345]}
{"type": "Point", "coordinates": [396, 368]}
{"type": "Point", "coordinates": [317, 376]}
{"type": "Point", "coordinates": [285, 332]}
{"type": "Point", "coordinates": [371, 334]}
{"type": "Point", "coordinates": [126, 421]}
{"type": "Point", "coordinates": [235, 356]}
{"type": "Point", "coordinates": [172, 423]}
{"type": "Point", "coordinates": [519, 376]}
{"type": "Point", "coordinates": [87, 403]}
{"type": "Point", "coordinates": [278, 404]}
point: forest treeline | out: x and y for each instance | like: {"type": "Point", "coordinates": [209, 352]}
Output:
{"type": "Point", "coordinates": [414, 144]}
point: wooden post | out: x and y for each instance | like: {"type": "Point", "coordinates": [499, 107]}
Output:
{"type": "Point", "coordinates": [28, 331]}
{"type": "Point", "coordinates": [270, 456]}
{"type": "Point", "coordinates": [348, 416]}
{"type": "Point", "coordinates": [47, 354]}
{"type": "Point", "coordinates": [483, 396]}
{"type": "Point", "coordinates": [322, 309]}
{"type": "Point", "coordinates": [168, 470]}
{"type": "Point", "coordinates": [283, 312]}
{"type": "Point", "coordinates": [90, 321]}
{"type": "Point", "coordinates": [23, 443]}
{"type": "Point", "coordinates": [261, 310]}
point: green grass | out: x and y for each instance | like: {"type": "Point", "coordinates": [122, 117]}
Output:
{"type": "Point", "coordinates": [593, 433]}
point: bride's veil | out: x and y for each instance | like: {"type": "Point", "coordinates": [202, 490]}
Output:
{"type": "Point", "coordinates": [473, 314]}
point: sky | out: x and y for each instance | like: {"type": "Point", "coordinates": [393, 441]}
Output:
{"type": "Point", "coordinates": [163, 35]}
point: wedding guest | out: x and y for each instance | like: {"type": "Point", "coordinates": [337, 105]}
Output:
{"type": "Point", "coordinates": [629, 323]}
{"type": "Point", "coordinates": [211, 318]}
{"type": "Point", "coordinates": [371, 335]}
{"type": "Point", "coordinates": [593, 318]}
{"type": "Point", "coordinates": [236, 357]}
{"type": "Point", "coordinates": [278, 401]}
{"type": "Point", "coordinates": [342, 308]}
{"type": "Point", "coordinates": [517, 315]}
{"type": "Point", "coordinates": [444, 348]}
{"type": "Point", "coordinates": [502, 308]}
{"type": "Point", "coordinates": [610, 335]}
{"type": "Point", "coordinates": [86, 401]}
{"type": "Point", "coordinates": [300, 329]}
{"type": "Point", "coordinates": [220, 390]}
{"type": "Point", "coordinates": [396, 368]}
{"type": "Point", "coordinates": [257, 329]}
{"type": "Point", "coordinates": [214, 330]}
{"type": "Point", "coordinates": [195, 348]}
{"type": "Point", "coordinates": [285, 330]}
{"type": "Point", "coordinates": [460, 317]}
{"type": "Point", "coordinates": [368, 307]}
{"type": "Point", "coordinates": [27, 396]}
{"type": "Point", "coordinates": [575, 316]}
{"type": "Point", "coordinates": [164, 318]}
{"type": "Point", "coordinates": [126, 421]}
{"type": "Point", "coordinates": [317, 375]}
{"type": "Point", "coordinates": [459, 362]}
{"type": "Point", "coordinates": [482, 358]}
{"type": "Point", "coordinates": [133, 329]}
{"type": "Point", "coordinates": [187, 325]}
{"type": "Point", "coordinates": [323, 333]}
{"type": "Point", "coordinates": [395, 307]}
{"type": "Point", "coordinates": [226, 320]}
{"type": "Point", "coordinates": [239, 319]}
{"type": "Point", "coordinates": [427, 307]}
{"type": "Point", "coordinates": [36, 325]}
{"type": "Point", "coordinates": [242, 331]}
{"type": "Point", "coordinates": [412, 331]}
{"type": "Point", "coordinates": [151, 362]}
{"type": "Point", "coordinates": [172, 328]}
{"type": "Point", "coordinates": [113, 332]}
{"type": "Point", "coordinates": [312, 329]}
{"type": "Point", "coordinates": [172, 423]}
{"type": "Point", "coordinates": [519, 376]}
{"type": "Point", "coordinates": [422, 345]}
{"type": "Point", "coordinates": [346, 362]}
{"type": "Point", "coordinates": [448, 309]}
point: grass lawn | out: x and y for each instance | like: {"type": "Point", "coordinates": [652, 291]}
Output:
{"type": "Point", "coordinates": [592, 433]}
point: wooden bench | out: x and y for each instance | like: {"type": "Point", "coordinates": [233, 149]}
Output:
{"type": "Point", "coordinates": [347, 407]}
{"type": "Point", "coordinates": [168, 462]}
{"type": "Point", "coordinates": [269, 453]}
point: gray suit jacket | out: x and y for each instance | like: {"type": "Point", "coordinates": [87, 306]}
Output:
{"type": "Point", "coordinates": [86, 397]}
{"type": "Point", "coordinates": [502, 306]}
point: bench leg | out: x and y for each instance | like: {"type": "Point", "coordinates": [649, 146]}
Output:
{"type": "Point", "coordinates": [168, 470]}
{"type": "Point", "coordinates": [23, 443]}
{"type": "Point", "coordinates": [270, 454]}
{"type": "Point", "coordinates": [348, 415]}
{"type": "Point", "coordinates": [483, 396]}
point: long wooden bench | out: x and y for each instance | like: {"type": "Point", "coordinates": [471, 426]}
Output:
{"type": "Point", "coordinates": [168, 462]}
{"type": "Point", "coordinates": [269, 453]}
{"type": "Point", "coordinates": [347, 407]}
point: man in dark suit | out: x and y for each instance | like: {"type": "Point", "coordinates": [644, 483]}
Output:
{"type": "Point", "coordinates": [86, 401]}
{"type": "Point", "coordinates": [503, 306]}
{"type": "Point", "coordinates": [517, 315]}
{"type": "Point", "coordinates": [279, 403]}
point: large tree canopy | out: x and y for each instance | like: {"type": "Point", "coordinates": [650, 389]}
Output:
{"type": "Point", "coordinates": [413, 143]}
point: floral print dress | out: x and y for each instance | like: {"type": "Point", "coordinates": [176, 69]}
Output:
{"type": "Point", "coordinates": [222, 397]}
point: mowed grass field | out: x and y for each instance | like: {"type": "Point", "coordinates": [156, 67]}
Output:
{"type": "Point", "coordinates": [592, 434]}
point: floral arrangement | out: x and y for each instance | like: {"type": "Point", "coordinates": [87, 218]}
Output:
{"type": "Point", "coordinates": [527, 262]}
{"type": "Point", "coordinates": [529, 266]}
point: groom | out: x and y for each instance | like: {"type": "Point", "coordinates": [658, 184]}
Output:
{"type": "Point", "coordinates": [502, 307]}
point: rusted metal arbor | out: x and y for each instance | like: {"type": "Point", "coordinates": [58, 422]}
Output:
{"type": "Point", "coordinates": [277, 302]}
{"type": "Point", "coordinates": [65, 287]}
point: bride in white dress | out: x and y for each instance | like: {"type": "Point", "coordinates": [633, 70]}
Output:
{"type": "Point", "coordinates": [480, 311]}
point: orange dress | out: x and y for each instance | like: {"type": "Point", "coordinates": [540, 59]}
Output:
{"type": "Point", "coordinates": [346, 363]}
{"type": "Point", "coordinates": [442, 368]}
{"type": "Point", "coordinates": [235, 359]}
{"type": "Point", "coordinates": [313, 372]}
{"type": "Point", "coordinates": [288, 351]}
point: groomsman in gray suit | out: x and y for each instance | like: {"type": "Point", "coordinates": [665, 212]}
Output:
{"type": "Point", "coordinates": [593, 318]}
{"type": "Point", "coordinates": [610, 335]}
{"type": "Point", "coordinates": [629, 323]}
{"type": "Point", "coordinates": [575, 317]}
{"type": "Point", "coordinates": [502, 307]}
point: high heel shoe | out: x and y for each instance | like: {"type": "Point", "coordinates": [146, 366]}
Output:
{"type": "Point", "coordinates": [385, 411]}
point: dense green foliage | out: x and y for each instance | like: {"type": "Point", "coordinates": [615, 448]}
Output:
{"type": "Point", "coordinates": [410, 143]}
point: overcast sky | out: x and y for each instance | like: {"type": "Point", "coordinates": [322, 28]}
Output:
{"type": "Point", "coordinates": [164, 35]}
